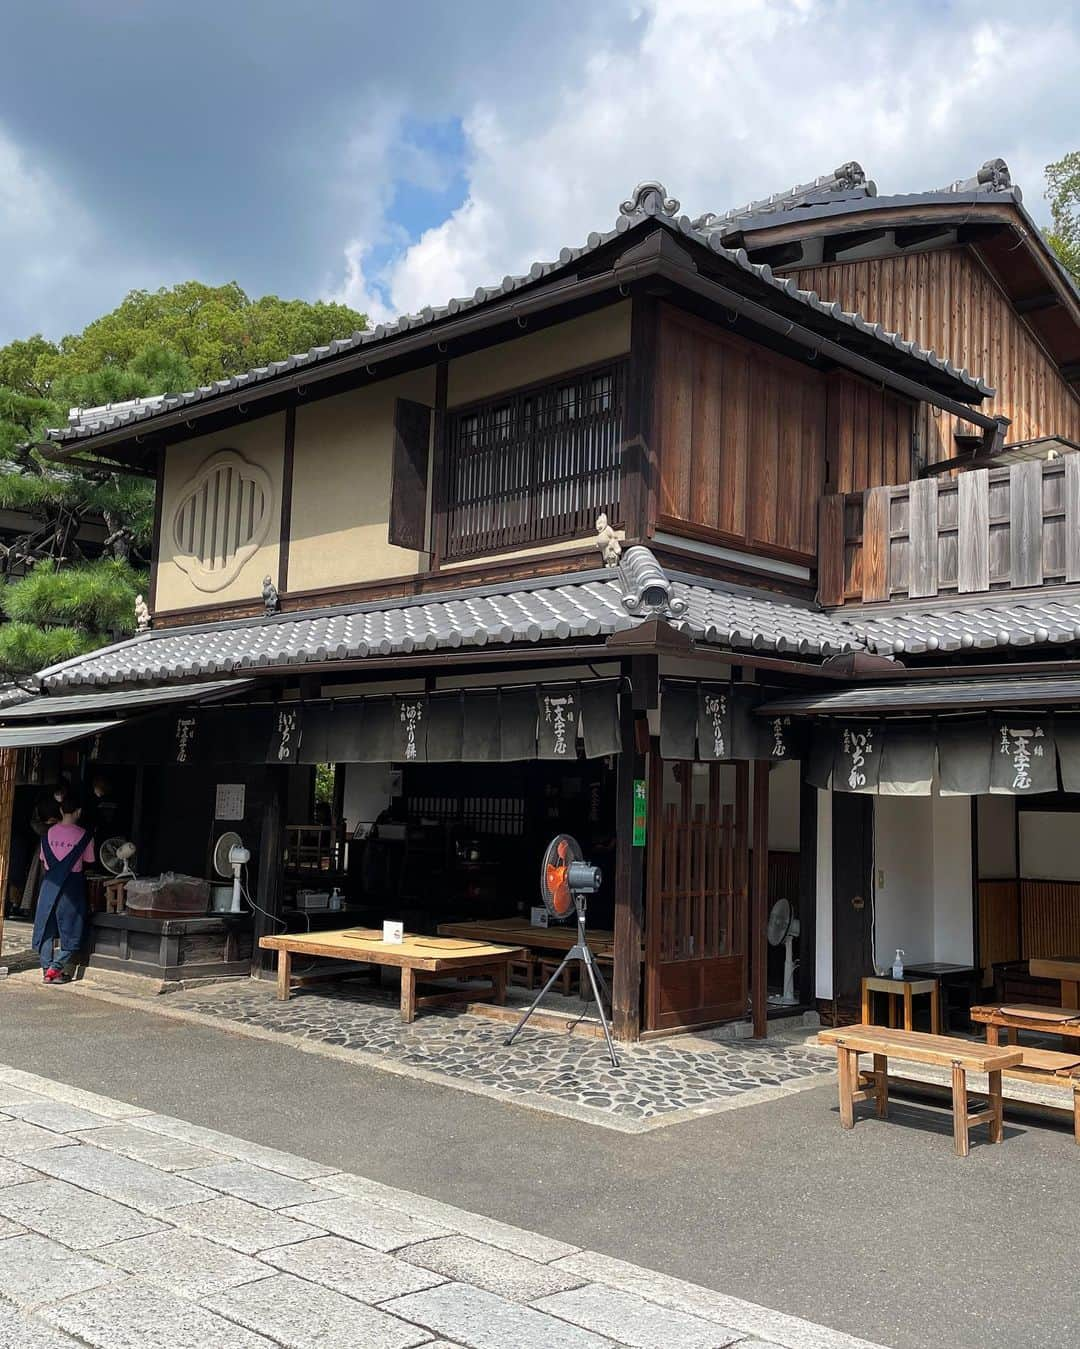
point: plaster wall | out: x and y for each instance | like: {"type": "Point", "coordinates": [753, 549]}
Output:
{"type": "Point", "coordinates": [342, 474]}
{"type": "Point", "coordinates": [261, 443]}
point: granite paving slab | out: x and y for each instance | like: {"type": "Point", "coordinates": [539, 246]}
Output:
{"type": "Point", "coordinates": [512, 1276]}
{"type": "Point", "coordinates": [531, 1245]}
{"type": "Point", "coordinates": [80, 1220]}
{"type": "Point", "coordinates": [481, 1320]}
{"type": "Point", "coordinates": [142, 1145]}
{"type": "Point", "coordinates": [14, 1173]}
{"type": "Point", "coordinates": [19, 1139]}
{"type": "Point", "coordinates": [240, 1225]}
{"type": "Point", "coordinates": [302, 1315]}
{"type": "Point", "coordinates": [58, 1116]}
{"type": "Point", "coordinates": [142, 1187]}
{"type": "Point", "coordinates": [19, 1331]}
{"type": "Point", "coordinates": [356, 1271]}
{"type": "Point", "coordinates": [63, 1091]}
{"type": "Point", "coordinates": [634, 1321]}
{"type": "Point", "coordinates": [182, 1263]}
{"type": "Point", "coordinates": [300, 1168]}
{"type": "Point", "coordinates": [12, 1095]}
{"type": "Point", "coordinates": [135, 1315]}
{"type": "Point", "coordinates": [243, 1180]}
{"type": "Point", "coordinates": [383, 1229]}
{"type": "Point", "coordinates": [35, 1271]}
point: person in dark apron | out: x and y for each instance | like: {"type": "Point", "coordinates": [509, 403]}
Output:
{"type": "Point", "coordinates": [61, 908]}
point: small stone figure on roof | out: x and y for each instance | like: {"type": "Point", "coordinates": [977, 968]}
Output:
{"type": "Point", "coordinates": [607, 542]}
{"type": "Point", "coordinates": [142, 615]}
{"type": "Point", "coordinates": [271, 602]}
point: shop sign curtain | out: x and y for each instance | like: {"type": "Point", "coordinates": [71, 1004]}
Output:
{"type": "Point", "coordinates": [558, 709]}
{"type": "Point", "coordinates": [1067, 739]}
{"type": "Point", "coordinates": [1023, 759]}
{"type": "Point", "coordinates": [907, 761]}
{"type": "Point", "coordinates": [963, 758]}
{"type": "Point", "coordinates": [856, 756]}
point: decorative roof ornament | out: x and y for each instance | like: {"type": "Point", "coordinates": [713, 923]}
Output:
{"type": "Point", "coordinates": [649, 198]}
{"type": "Point", "coordinates": [993, 176]}
{"type": "Point", "coordinates": [649, 593]}
{"type": "Point", "coordinates": [271, 601]}
{"type": "Point", "coordinates": [607, 541]}
{"type": "Point", "coordinates": [142, 615]}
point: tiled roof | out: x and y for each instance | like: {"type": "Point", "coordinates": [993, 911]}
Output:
{"type": "Point", "coordinates": [649, 202]}
{"type": "Point", "coordinates": [846, 183]}
{"type": "Point", "coordinates": [963, 627]}
{"type": "Point", "coordinates": [579, 607]}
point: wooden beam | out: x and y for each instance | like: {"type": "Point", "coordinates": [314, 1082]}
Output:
{"type": "Point", "coordinates": [973, 532]}
{"type": "Point", "coordinates": [439, 468]}
{"type": "Point", "coordinates": [629, 859]}
{"type": "Point", "coordinates": [638, 468]}
{"type": "Point", "coordinates": [759, 902]}
{"type": "Point", "coordinates": [270, 884]}
{"type": "Point", "coordinates": [875, 557]}
{"type": "Point", "coordinates": [1030, 304]}
{"type": "Point", "coordinates": [831, 549]}
{"type": "Point", "coordinates": [285, 533]}
{"type": "Point", "coordinates": [1026, 523]}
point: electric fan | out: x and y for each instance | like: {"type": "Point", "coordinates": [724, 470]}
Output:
{"type": "Point", "coordinates": [230, 858]}
{"type": "Point", "coordinates": [115, 855]}
{"type": "Point", "coordinates": [565, 879]}
{"type": "Point", "coordinates": [784, 927]}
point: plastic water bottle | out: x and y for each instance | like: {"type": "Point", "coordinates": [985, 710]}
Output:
{"type": "Point", "coordinates": [898, 964]}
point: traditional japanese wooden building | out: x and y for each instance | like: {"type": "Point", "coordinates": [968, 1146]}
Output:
{"type": "Point", "coordinates": [387, 555]}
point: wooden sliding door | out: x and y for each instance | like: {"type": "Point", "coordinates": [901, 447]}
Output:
{"type": "Point", "coordinates": [696, 906]}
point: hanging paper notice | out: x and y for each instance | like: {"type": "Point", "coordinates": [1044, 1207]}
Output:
{"type": "Point", "coordinates": [641, 811]}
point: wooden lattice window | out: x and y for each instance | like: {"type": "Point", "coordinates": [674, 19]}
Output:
{"type": "Point", "coordinates": [536, 465]}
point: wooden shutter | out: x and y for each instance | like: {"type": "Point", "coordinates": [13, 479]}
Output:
{"type": "Point", "coordinates": [408, 493]}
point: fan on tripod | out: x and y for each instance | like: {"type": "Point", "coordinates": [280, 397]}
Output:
{"type": "Point", "coordinates": [565, 880]}
{"type": "Point", "coordinates": [116, 856]}
{"type": "Point", "coordinates": [784, 927]}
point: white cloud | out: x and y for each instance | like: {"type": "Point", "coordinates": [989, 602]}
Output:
{"type": "Point", "coordinates": [52, 251]}
{"type": "Point", "coordinates": [725, 101]}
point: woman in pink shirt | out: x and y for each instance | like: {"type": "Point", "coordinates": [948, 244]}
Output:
{"type": "Point", "coordinates": [61, 910]}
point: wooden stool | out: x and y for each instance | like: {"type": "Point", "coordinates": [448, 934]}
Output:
{"type": "Point", "coordinates": [908, 989]}
{"type": "Point", "coordinates": [115, 893]}
{"type": "Point", "coordinates": [548, 966]}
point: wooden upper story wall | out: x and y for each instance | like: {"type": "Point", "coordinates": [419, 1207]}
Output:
{"type": "Point", "coordinates": [947, 300]}
{"type": "Point", "coordinates": [748, 440]}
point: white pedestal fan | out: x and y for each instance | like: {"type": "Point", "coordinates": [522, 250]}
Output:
{"type": "Point", "coordinates": [784, 927]}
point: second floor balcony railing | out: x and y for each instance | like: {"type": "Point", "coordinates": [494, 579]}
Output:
{"type": "Point", "coordinates": [535, 466]}
{"type": "Point", "coordinates": [998, 529]}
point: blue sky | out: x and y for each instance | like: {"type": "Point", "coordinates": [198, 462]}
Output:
{"type": "Point", "coordinates": [396, 154]}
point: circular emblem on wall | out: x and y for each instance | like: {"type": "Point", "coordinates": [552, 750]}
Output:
{"type": "Point", "coordinates": [221, 519]}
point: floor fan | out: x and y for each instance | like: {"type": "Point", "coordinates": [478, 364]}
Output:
{"type": "Point", "coordinates": [784, 927]}
{"type": "Point", "coordinates": [565, 880]}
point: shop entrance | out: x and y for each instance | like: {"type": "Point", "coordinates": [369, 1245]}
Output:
{"type": "Point", "coordinates": [696, 918]}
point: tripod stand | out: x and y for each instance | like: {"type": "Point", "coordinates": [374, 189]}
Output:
{"type": "Point", "coordinates": [579, 951]}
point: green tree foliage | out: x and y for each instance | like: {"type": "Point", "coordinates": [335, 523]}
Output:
{"type": "Point", "coordinates": [61, 598]}
{"type": "Point", "coordinates": [1063, 193]}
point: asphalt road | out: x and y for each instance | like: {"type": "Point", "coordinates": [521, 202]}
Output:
{"type": "Point", "coordinates": [881, 1232]}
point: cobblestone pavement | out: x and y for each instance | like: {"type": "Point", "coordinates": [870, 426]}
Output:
{"type": "Point", "coordinates": [655, 1083]}
{"type": "Point", "coordinates": [124, 1229]}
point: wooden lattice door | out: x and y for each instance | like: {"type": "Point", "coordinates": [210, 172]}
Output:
{"type": "Point", "coordinates": [696, 910]}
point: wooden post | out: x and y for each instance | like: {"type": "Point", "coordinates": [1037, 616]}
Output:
{"type": "Point", "coordinates": [759, 901]}
{"type": "Point", "coordinates": [630, 860]}
{"type": "Point", "coordinates": [284, 975]}
{"type": "Point", "coordinates": [997, 1107]}
{"type": "Point", "coordinates": [881, 1085]}
{"type": "Point", "coordinates": [9, 760]}
{"type": "Point", "coordinates": [961, 1140]}
{"type": "Point", "coordinates": [637, 485]}
{"type": "Point", "coordinates": [847, 1062]}
{"type": "Point", "coordinates": [270, 885]}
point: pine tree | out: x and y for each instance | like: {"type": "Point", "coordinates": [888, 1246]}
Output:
{"type": "Point", "coordinates": [60, 600]}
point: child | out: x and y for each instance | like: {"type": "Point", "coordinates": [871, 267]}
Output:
{"type": "Point", "coordinates": [61, 909]}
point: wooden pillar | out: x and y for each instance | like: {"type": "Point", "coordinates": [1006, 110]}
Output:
{"type": "Point", "coordinates": [637, 485]}
{"type": "Point", "coordinates": [9, 760]}
{"type": "Point", "coordinates": [759, 901]}
{"type": "Point", "coordinates": [269, 888]}
{"type": "Point", "coordinates": [634, 702]}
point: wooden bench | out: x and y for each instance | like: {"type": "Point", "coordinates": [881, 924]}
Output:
{"type": "Point", "coordinates": [440, 957]}
{"type": "Point", "coordinates": [962, 1056]}
{"type": "Point", "coordinates": [1014, 1017]}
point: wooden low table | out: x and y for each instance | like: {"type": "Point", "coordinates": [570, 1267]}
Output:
{"type": "Point", "coordinates": [962, 1056]}
{"type": "Point", "coordinates": [1014, 1017]}
{"type": "Point", "coordinates": [519, 932]}
{"type": "Point", "coordinates": [908, 989]}
{"type": "Point", "coordinates": [1064, 968]}
{"type": "Point", "coordinates": [442, 957]}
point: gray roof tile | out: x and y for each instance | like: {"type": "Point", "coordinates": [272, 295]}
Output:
{"type": "Point", "coordinates": [648, 202]}
{"type": "Point", "coordinates": [969, 627]}
{"type": "Point", "coordinates": [584, 605]}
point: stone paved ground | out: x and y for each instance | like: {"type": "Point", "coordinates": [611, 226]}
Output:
{"type": "Point", "coordinates": [124, 1229]}
{"type": "Point", "coordinates": [656, 1083]}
